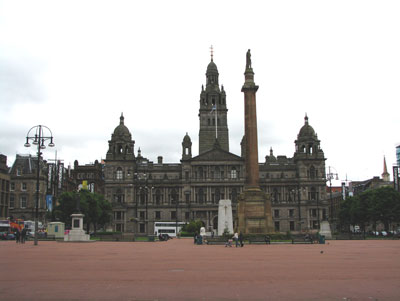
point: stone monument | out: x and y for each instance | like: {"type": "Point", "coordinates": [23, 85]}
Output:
{"type": "Point", "coordinates": [325, 229]}
{"type": "Point", "coordinates": [77, 233]}
{"type": "Point", "coordinates": [225, 220]}
{"type": "Point", "coordinates": [254, 209]}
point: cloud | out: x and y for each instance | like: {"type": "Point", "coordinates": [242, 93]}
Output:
{"type": "Point", "coordinates": [19, 83]}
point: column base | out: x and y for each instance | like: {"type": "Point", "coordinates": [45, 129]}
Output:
{"type": "Point", "coordinates": [254, 212]}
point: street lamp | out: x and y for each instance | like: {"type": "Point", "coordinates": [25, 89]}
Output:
{"type": "Point", "coordinates": [38, 137]}
{"type": "Point", "coordinates": [330, 176]}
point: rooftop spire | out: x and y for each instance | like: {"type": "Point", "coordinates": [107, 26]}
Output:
{"type": "Point", "coordinates": [306, 119]}
{"type": "Point", "coordinates": [121, 119]}
{"type": "Point", "coordinates": [385, 174]}
{"type": "Point", "coordinates": [212, 53]}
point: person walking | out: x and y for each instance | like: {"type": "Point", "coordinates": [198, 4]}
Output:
{"type": "Point", "coordinates": [241, 239]}
{"type": "Point", "coordinates": [236, 239]}
{"type": "Point", "coordinates": [23, 235]}
{"type": "Point", "coordinates": [17, 236]}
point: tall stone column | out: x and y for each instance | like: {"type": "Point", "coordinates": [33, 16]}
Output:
{"type": "Point", "coordinates": [254, 210]}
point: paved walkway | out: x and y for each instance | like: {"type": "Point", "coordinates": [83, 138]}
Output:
{"type": "Point", "coordinates": [180, 270]}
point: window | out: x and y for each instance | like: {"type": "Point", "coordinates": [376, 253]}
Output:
{"type": "Point", "coordinates": [141, 228]}
{"type": "Point", "coordinates": [119, 227]}
{"type": "Point", "coordinates": [187, 198]}
{"type": "Point", "coordinates": [119, 174]}
{"type": "Point", "coordinates": [313, 212]}
{"type": "Point", "coordinates": [23, 201]}
{"type": "Point", "coordinates": [12, 201]}
{"type": "Point", "coordinates": [291, 212]}
{"type": "Point", "coordinates": [23, 186]}
{"type": "Point", "coordinates": [119, 215]}
{"type": "Point", "coordinates": [141, 214]}
{"type": "Point", "coordinates": [12, 187]}
{"type": "Point", "coordinates": [291, 225]}
{"type": "Point", "coordinates": [187, 215]}
{"type": "Point", "coordinates": [276, 213]}
{"type": "Point", "coordinates": [277, 226]}
{"type": "Point", "coordinates": [173, 214]}
{"type": "Point", "coordinates": [158, 215]}
{"type": "Point", "coordinates": [19, 172]}
{"type": "Point", "coordinates": [233, 173]}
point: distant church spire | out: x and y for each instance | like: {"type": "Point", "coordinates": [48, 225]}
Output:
{"type": "Point", "coordinates": [385, 174]}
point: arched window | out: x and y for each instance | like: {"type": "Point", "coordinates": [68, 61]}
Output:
{"type": "Point", "coordinates": [201, 196]}
{"type": "Point", "coordinates": [312, 172]}
{"type": "Point", "coordinates": [217, 195]}
{"type": "Point", "coordinates": [174, 196]}
{"type": "Point", "coordinates": [200, 172]}
{"type": "Point", "coordinates": [313, 194]}
{"type": "Point", "coordinates": [233, 173]}
{"type": "Point", "coordinates": [217, 173]}
{"type": "Point", "coordinates": [158, 197]}
{"type": "Point", "coordinates": [119, 174]}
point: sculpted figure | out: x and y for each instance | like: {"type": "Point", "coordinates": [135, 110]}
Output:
{"type": "Point", "coordinates": [248, 59]}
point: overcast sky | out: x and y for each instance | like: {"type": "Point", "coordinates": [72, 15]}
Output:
{"type": "Point", "coordinates": [74, 66]}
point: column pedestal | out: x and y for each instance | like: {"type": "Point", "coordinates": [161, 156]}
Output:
{"type": "Point", "coordinates": [254, 212]}
{"type": "Point", "coordinates": [77, 233]}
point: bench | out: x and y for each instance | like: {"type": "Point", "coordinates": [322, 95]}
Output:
{"type": "Point", "coordinates": [216, 241]}
{"type": "Point", "coordinates": [259, 240]}
{"type": "Point", "coordinates": [302, 239]}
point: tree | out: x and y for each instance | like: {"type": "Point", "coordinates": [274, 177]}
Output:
{"type": "Point", "coordinates": [372, 206]}
{"type": "Point", "coordinates": [96, 210]}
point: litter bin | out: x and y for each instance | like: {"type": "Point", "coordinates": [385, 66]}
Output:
{"type": "Point", "coordinates": [199, 239]}
{"type": "Point", "coordinates": [322, 239]}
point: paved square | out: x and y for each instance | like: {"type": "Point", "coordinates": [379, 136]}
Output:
{"type": "Point", "coordinates": [180, 270]}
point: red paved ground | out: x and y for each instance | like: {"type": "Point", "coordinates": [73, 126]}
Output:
{"type": "Point", "coordinates": [179, 270]}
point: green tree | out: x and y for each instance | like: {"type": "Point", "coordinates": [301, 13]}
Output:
{"type": "Point", "coordinates": [373, 206]}
{"type": "Point", "coordinates": [193, 227]}
{"type": "Point", "coordinates": [96, 210]}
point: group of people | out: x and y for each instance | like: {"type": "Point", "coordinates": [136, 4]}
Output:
{"type": "Point", "coordinates": [237, 238]}
{"type": "Point", "coordinates": [20, 237]}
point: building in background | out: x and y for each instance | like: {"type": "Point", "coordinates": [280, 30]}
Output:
{"type": "Point", "coordinates": [143, 192]}
{"type": "Point", "coordinates": [4, 187]}
{"type": "Point", "coordinates": [91, 173]}
{"type": "Point", "coordinates": [23, 179]}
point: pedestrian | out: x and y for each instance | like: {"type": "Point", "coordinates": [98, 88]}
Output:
{"type": "Point", "coordinates": [236, 239]}
{"type": "Point", "coordinates": [23, 235]}
{"type": "Point", "coordinates": [195, 238]}
{"type": "Point", "coordinates": [241, 239]}
{"type": "Point", "coordinates": [17, 236]}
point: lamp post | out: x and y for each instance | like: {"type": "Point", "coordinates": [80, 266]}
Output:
{"type": "Point", "coordinates": [330, 176]}
{"type": "Point", "coordinates": [38, 137]}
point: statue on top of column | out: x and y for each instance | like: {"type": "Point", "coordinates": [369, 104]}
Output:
{"type": "Point", "coordinates": [248, 59]}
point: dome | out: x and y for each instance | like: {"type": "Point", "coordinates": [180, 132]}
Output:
{"type": "Point", "coordinates": [306, 130]}
{"type": "Point", "coordinates": [121, 130]}
{"type": "Point", "coordinates": [212, 67]}
{"type": "Point", "coordinates": [187, 138]}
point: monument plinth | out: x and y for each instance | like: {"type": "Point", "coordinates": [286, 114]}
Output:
{"type": "Point", "coordinates": [254, 210]}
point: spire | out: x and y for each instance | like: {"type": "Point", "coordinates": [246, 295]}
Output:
{"type": "Point", "coordinates": [385, 174]}
{"type": "Point", "coordinates": [271, 152]}
{"type": "Point", "coordinates": [121, 119]}
{"type": "Point", "coordinates": [306, 119]}
{"type": "Point", "coordinates": [212, 53]}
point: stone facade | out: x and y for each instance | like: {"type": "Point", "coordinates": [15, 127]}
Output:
{"type": "Point", "coordinates": [91, 173]}
{"type": "Point", "coordinates": [23, 176]}
{"type": "Point", "coordinates": [143, 192]}
{"type": "Point", "coordinates": [4, 187]}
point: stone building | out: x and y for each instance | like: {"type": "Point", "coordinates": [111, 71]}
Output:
{"type": "Point", "coordinates": [143, 192]}
{"type": "Point", "coordinates": [4, 187]}
{"type": "Point", "coordinates": [23, 177]}
{"type": "Point", "coordinates": [91, 173]}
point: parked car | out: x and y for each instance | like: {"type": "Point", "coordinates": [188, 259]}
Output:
{"type": "Point", "coordinates": [384, 233]}
{"type": "Point", "coordinates": [7, 236]}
